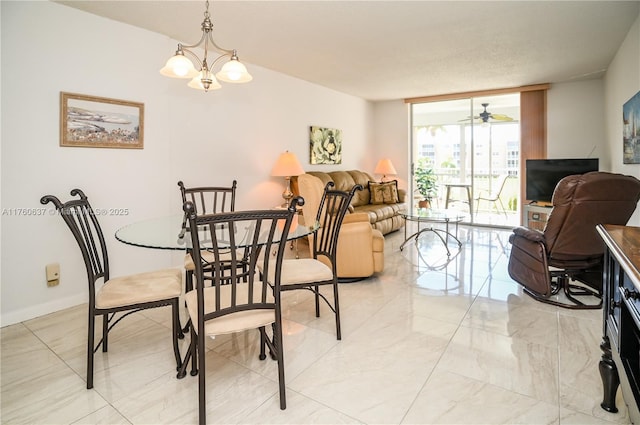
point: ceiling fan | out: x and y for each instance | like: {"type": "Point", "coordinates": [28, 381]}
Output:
{"type": "Point", "coordinates": [485, 116]}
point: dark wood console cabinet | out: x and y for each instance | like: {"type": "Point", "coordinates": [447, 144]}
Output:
{"type": "Point", "coordinates": [620, 363]}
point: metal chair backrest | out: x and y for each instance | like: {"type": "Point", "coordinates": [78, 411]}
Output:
{"type": "Point", "coordinates": [502, 180]}
{"type": "Point", "coordinates": [333, 207]}
{"type": "Point", "coordinates": [257, 234]}
{"type": "Point", "coordinates": [83, 223]}
{"type": "Point", "coordinates": [210, 200]}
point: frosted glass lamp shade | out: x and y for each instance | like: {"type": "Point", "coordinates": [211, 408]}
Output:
{"type": "Point", "coordinates": [196, 82]}
{"type": "Point", "coordinates": [179, 66]}
{"type": "Point", "coordinates": [234, 72]}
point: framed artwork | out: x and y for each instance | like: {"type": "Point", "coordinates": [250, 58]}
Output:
{"type": "Point", "coordinates": [100, 122]}
{"type": "Point", "coordinates": [631, 131]}
{"type": "Point", "coordinates": [325, 145]}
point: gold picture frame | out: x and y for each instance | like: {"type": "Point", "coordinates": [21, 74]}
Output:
{"type": "Point", "coordinates": [100, 122]}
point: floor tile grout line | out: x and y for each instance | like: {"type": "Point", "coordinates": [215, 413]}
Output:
{"type": "Point", "coordinates": [67, 366]}
{"type": "Point", "coordinates": [459, 325]}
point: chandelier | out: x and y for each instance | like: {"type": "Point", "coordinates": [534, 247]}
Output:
{"type": "Point", "coordinates": [180, 66]}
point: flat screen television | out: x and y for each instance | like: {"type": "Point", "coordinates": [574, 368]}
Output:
{"type": "Point", "coordinates": [544, 174]}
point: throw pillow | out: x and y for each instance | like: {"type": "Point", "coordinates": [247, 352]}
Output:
{"type": "Point", "coordinates": [384, 193]}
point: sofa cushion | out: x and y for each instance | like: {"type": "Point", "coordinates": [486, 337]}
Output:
{"type": "Point", "coordinates": [389, 224]}
{"type": "Point", "coordinates": [384, 193]}
{"type": "Point", "coordinates": [379, 212]}
{"type": "Point", "coordinates": [343, 180]}
{"type": "Point", "coordinates": [324, 177]}
{"type": "Point", "coordinates": [362, 197]}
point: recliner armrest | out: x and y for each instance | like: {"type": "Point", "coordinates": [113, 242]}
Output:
{"type": "Point", "coordinates": [530, 234]}
{"type": "Point", "coordinates": [355, 218]}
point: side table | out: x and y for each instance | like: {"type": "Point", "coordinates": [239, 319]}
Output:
{"type": "Point", "coordinates": [424, 215]}
{"type": "Point", "coordinates": [465, 186]}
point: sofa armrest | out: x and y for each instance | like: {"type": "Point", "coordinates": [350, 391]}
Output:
{"type": "Point", "coordinates": [402, 196]}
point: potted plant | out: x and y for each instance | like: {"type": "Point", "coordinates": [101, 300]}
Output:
{"type": "Point", "coordinates": [426, 182]}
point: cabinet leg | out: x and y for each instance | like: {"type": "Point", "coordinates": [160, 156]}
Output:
{"type": "Point", "coordinates": [609, 375]}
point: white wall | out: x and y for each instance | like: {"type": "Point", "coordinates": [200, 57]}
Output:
{"type": "Point", "coordinates": [391, 137]}
{"type": "Point", "coordinates": [236, 132]}
{"type": "Point", "coordinates": [622, 82]}
{"type": "Point", "coordinates": [575, 125]}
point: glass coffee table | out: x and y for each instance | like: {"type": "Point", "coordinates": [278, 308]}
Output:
{"type": "Point", "coordinates": [429, 217]}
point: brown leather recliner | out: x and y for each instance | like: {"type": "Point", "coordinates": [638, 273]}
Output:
{"type": "Point", "coordinates": [569, 243]}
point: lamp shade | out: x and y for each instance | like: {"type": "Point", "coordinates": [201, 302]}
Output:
{"type": "Point", "coordinates": [179, 66]}
{"type": "Point", "coordinates": [287, 165]}
{"type": "Point", "coordinates": [234, 72]}
{"type": "Point", "coordinates": [196, 82]}
{"type": "Point", "coordinates": [385, 167]}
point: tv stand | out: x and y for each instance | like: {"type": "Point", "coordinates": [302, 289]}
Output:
{"type": "Point", "coordinates": [536, 215]}
{"type": "Point", "coordinates": [541, 203]}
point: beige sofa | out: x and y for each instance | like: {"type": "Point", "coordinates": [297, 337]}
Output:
{"type": "Point", "coordinates": [384, 217]}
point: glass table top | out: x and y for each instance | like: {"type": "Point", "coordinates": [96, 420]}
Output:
{"type": "Point", "coordinates": [167, 233]}
{"type": "Point", "coordinates": [434, 215]}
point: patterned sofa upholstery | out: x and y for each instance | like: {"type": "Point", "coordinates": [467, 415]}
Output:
{"type": "Point", "coordinates": [384, 217]}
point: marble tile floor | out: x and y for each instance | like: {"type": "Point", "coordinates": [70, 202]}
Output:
{"type": "Point", "coordinates": [432, 340]}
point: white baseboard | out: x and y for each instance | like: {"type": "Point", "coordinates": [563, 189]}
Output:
{"type": "Point", "coordinates": [13, 317]}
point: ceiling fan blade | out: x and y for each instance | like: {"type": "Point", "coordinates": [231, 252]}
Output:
{"type": "Point", "coordinates": [501, 117]}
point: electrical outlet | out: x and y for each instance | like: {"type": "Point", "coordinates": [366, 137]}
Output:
{"type": "Point", "coordinates": [53, 274]}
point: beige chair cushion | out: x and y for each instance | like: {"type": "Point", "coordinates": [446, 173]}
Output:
{"type": "Point", "coordinates": [303, 270]}
{"type": "Point", "coordinates": [235, 322]}
{"type": "Point", "coordinates": [140, 288]}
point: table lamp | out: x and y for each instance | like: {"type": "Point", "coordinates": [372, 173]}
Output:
{"type": "Point", "coordinates": [286, 166]}
{"type": "Point", "coordinates": [385, 167]}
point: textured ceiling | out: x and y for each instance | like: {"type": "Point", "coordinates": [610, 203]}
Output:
{"type": "Point", "coordinates": [382, 50]}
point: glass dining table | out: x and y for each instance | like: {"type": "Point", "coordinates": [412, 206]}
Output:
{"type": "Point", "coordinates": [172, 233]}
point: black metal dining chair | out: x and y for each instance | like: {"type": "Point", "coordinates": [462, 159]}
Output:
{"type": "Point", "coordinates": [206, 200]}
{"type": "Point", "coordinates": [320, 270]}
{"type": "Point", "coordinates": [125, 294]}
{"type": "Point", "coordinates": [236, 299]}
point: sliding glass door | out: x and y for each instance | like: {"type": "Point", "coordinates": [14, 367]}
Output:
{"type": "Point", "coordinates": [473, 147]}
